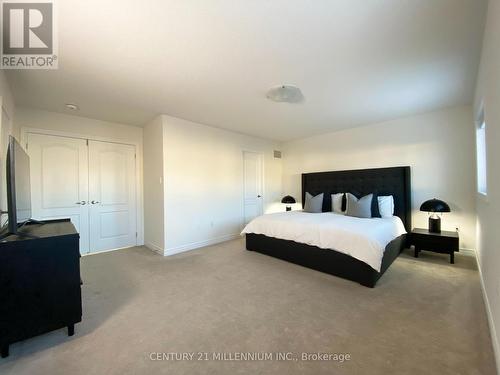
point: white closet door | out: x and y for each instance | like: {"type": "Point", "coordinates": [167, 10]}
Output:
{"type": "Point", "coordinates": [112, 195]}
{"type": "Point", "coordinates": [59, 181]}
{"type": "Point", "coordinates": [253, 169]}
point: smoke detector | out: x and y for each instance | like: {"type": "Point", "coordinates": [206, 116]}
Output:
{"type": "Point", "coordinates": [285, 94]}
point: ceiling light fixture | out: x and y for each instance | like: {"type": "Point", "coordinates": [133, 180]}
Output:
{"type": "Point", "coordinates": [72, 107]}
{"type": "Point", "coordinates": [285, 94]}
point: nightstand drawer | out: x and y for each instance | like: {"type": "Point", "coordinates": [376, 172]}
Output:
{"type": "Point", "coordinates": [441, 244]}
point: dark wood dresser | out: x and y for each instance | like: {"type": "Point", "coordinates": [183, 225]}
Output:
{"type": "Point", "coordinates": [39, 281]}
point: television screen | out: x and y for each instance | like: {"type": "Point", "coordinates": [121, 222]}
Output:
{"type": "Point", "coordinates": [18, 185]}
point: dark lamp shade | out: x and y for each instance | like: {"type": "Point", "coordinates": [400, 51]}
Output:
{"type": "Point", "coordinates": [435, 205]}
{"type": "Point", "coordinates": [288, 200]}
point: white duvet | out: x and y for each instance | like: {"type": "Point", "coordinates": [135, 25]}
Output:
{"type": "Point", "coordinates": [363, 239]}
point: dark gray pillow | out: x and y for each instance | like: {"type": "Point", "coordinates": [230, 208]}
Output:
{"type": "Point", "coordinates": [361, 207]}
{"type": "Point", "coordinates": [314, 204]}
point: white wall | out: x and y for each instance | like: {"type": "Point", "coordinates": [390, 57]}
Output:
{"type": "Point", "coordinates": [57, 123]}
{"type": "Point", "coordinates": [34, 118]}
{"type": "Point", "coordinates": [154, 221]}
{"type": "Point", "coordinates": [438, 147]}
{"type": "Point", "coordinates": [6, 95]}
{"type": "Point", "coordinates": [6, 125]}
{"type": "Point", "coordinates": [203, 172]}
{"type": "Point", "coordinates": [488, 210]}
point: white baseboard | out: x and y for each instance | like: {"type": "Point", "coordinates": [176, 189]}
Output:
{"type": "Point", "coordinates": [196, 245]}
{"type": "Point", "coordinates": [107, 251]}
{"type": "Point", "coordinates": [493, 332]}
{"type": "Point", "coordinates": [468, 252]}
{"type": "Point", "coordinates": [154, 247]}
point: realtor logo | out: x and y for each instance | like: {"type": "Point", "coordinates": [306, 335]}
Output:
{"type": "Point", "coordinates": [28, 35]}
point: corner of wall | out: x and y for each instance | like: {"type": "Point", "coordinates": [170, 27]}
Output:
{"type": "Point", "coordinates": [487, 96]}
{"type": "Point", "coordinates": [154, 210]}
{"type": "Point", "coordinates": [156, 248]}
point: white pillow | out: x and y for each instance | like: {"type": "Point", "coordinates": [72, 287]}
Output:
{"type": "Point", "coordinates": [337, 203]}
{"type": "Point", "coordinates": [386, 206]}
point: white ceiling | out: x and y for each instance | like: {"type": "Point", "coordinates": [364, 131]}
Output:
{"type": "Point", "coordinates": [212, 61]}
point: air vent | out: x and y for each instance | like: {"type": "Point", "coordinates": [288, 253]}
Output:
{"type": "Point", "coordinates": [277, 154]}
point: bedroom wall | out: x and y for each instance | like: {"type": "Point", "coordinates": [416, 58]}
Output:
{"type": "Point", "coordinates": [6, 95]}
{"type": "Point", "coordinates": [86, 127]}
{"type": "Point", "coordinates": [36, 118]}
{"type": "Point", "coordinates": [203, 172]}
{"type": "Point", "coordinates": [438, 146]}
{"type": "Point", "coordinates": [6, 125]}
{"type": "Point", "coordinates": [488, 208]}
{"type": "Point", "coordinates": [154, 220]}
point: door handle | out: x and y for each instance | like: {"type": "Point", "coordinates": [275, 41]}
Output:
{"type": "Point", "coordinates": [259, 196]}
{"type": "Point", "coordinates": [83, 203]}
{"type": "Point", "coordinates": [94, 202]}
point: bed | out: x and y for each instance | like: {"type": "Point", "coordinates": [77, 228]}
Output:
{"type": "Point", "coordinates": [393, 181]}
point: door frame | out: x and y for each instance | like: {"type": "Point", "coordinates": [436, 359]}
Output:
{"type": "Point", "coordinates": [262, 181]}
{"type": "Point", "coordinates": [25, 130]}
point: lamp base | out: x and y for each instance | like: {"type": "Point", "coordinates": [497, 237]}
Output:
{"type": "Point", "coordinates": [435, 225]}
{"type": "Point", "coordinates": [288, 208]}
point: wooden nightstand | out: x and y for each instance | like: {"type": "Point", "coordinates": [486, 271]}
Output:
{"type": "Point", "coordinates": [444, 242]}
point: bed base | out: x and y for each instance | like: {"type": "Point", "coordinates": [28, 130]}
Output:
{"type": "Point", "coordinates": [328, 261]}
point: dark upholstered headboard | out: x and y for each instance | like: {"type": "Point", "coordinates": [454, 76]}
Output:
{"type": "Point", "coordinates": [394, 181]}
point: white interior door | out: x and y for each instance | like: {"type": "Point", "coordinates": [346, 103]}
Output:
{"type": "Point", "coordinates": [112, 195]}
{"type": "Point", "coordinates": [59, 181]}
{"type": "Point", "coordinates": [252, 171]}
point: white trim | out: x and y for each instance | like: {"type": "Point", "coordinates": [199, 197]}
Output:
{"type": "Point", "coordinates": [106, 251]}
{"type": "Point", "coordinates": [489, 313]}
{"type": "Point", "coordinates": [482, 196]}
{"type": "Point", "coordinates": [26, 129]}
{"type": "Point", "coordinates": [463, 251]}
{"type": "Point", "coordinates": [481, 125]}
{"type": "Point", "coordinates": [154, 247]}
{"type": "Point", "coordinates": [138, 167]}
{"type": "Point", "coordinates": [468, 252]}
{"type": "Point", "coordinates": [196, 245]}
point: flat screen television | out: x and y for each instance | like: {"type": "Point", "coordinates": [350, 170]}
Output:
{"type": "Point", "coordinates": [18, 186]}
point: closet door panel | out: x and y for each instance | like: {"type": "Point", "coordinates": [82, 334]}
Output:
{"type": "Point", "coordinates": [59, 181]}
{"type": "Point", "coordinates": [112, 195]}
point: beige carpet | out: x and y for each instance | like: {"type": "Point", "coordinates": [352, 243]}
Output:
{"type": "Point", "coordinates": [424, 317]}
